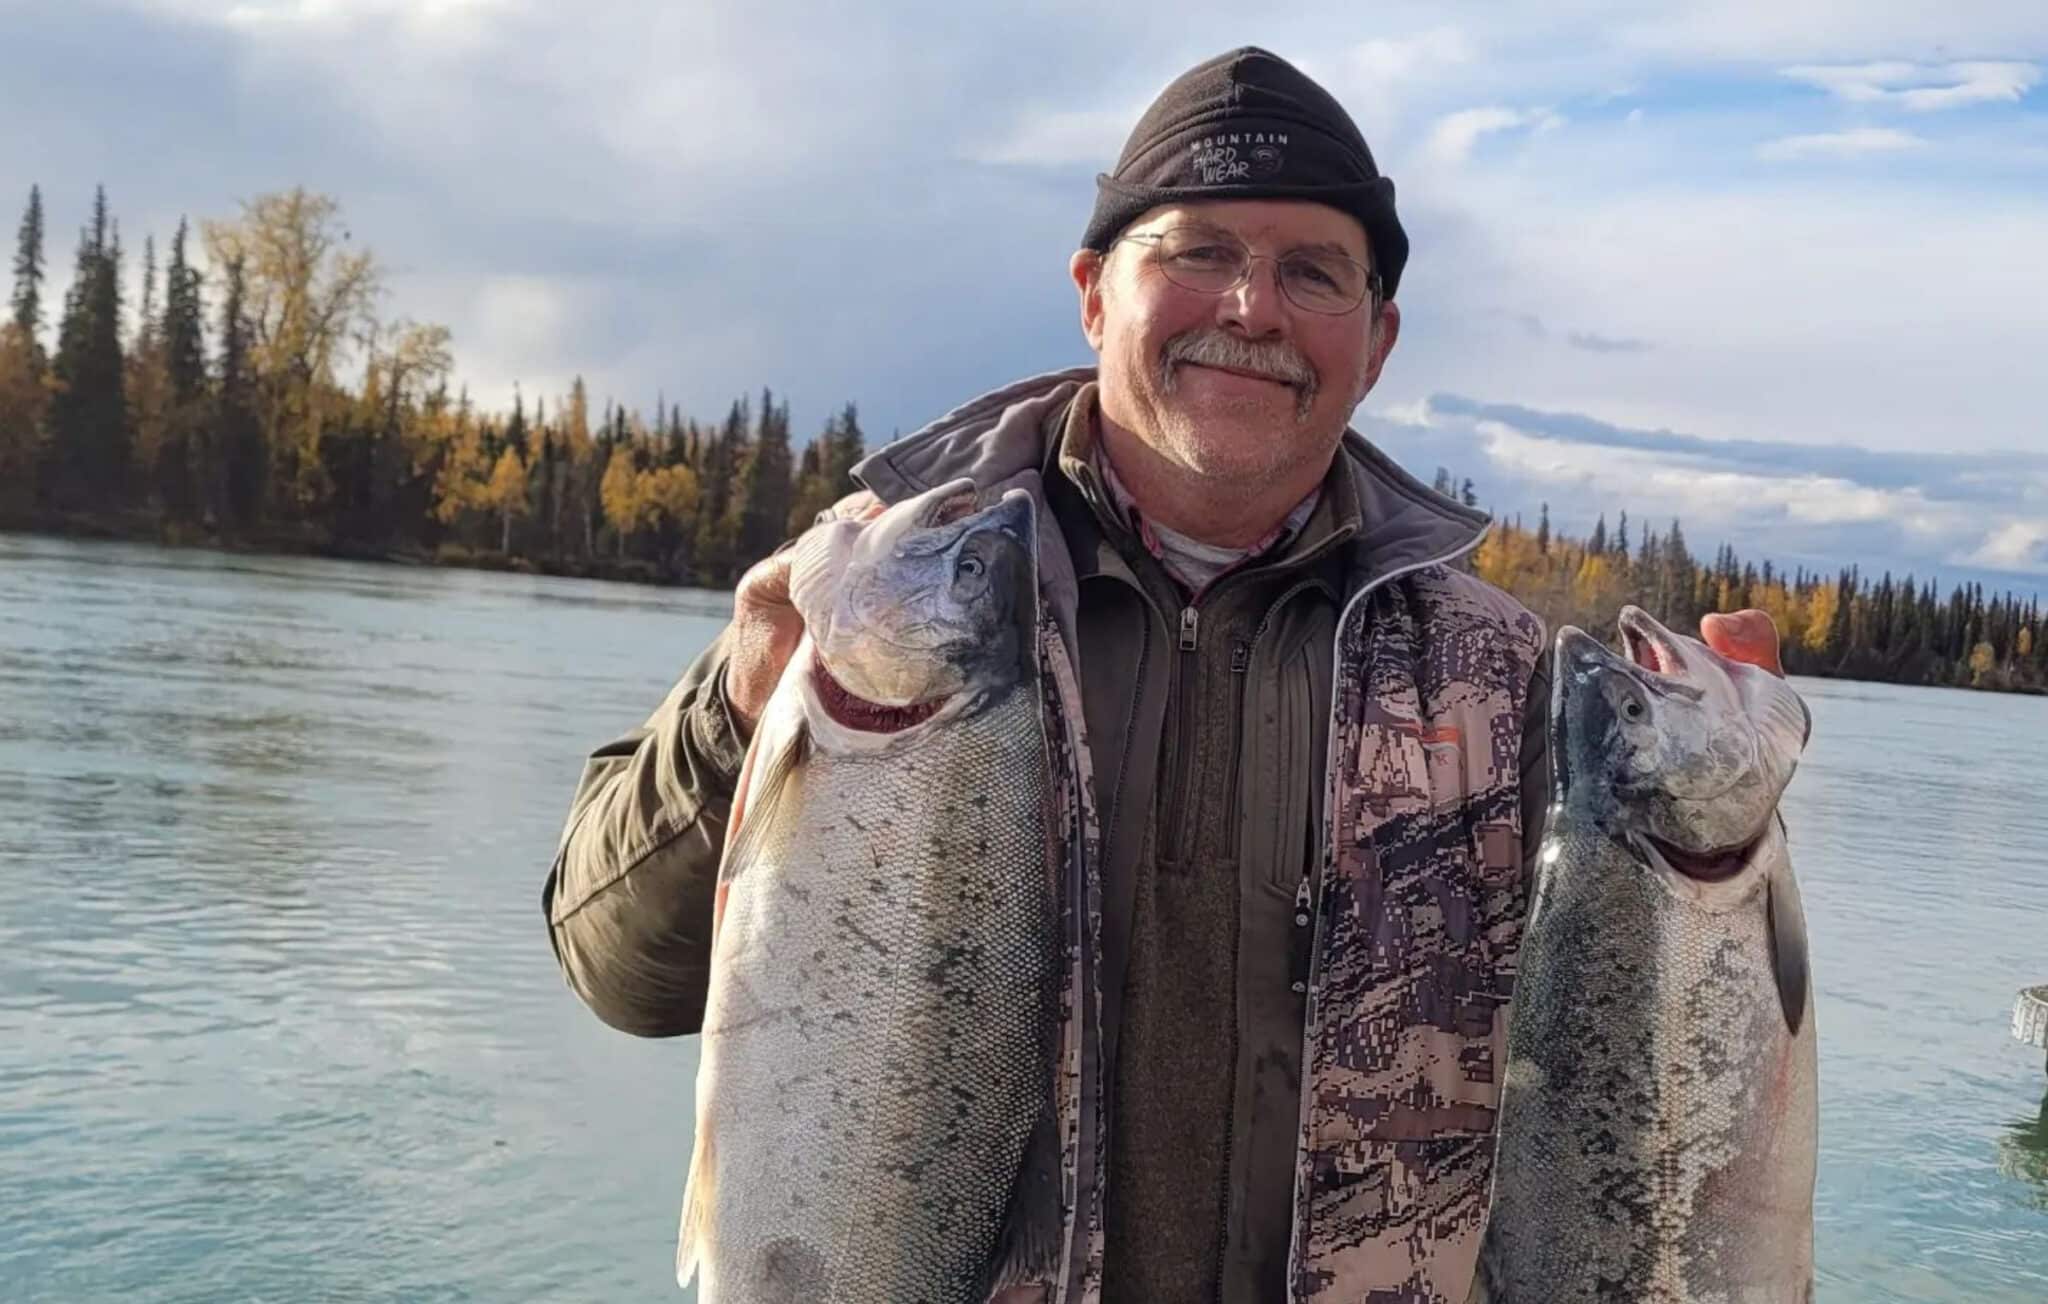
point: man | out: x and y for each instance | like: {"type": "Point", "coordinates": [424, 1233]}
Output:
{"type": "Point", "coordinates": [1317, 747]}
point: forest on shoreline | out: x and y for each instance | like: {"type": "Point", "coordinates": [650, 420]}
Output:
{"type": "Point", "coordinates": [260, 401]}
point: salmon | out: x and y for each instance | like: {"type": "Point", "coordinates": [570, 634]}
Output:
{"type": "Point", "coordinates": [875, 1094]}
{"type": "Point", "coordinates": [1658, 1125]}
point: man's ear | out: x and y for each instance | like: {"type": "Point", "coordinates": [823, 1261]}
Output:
{"type": "Point", "coordinates": [1384, 333]}
{"type": "Point", "coordinates": [1086, 268]}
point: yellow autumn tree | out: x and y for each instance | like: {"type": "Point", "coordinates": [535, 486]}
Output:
{"type": "Point", "coordinates": [505, 494]}
{"type": "Point", "coordinates": [1820, 616]}
{"type": "Point", "coordinates": [669, 493]}
{"type": "Point", "coordinates": [623, 493]}
{"type": "Point", "coordinates": [462, 483]}
{"type": "Point", "coordinates": [308, 297]}
{"type": "Point", "coordinates": [1784, 609]}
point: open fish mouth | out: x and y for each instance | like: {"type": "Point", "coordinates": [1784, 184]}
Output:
{"type": "Point", "coordinates": [860, 714]}
{"type": "Point", "coordinates": [1703, 866]}
{"type": "Point", "coordinates": [952, 507]}
{"type": "Point", "coordinates": [1644, 641]}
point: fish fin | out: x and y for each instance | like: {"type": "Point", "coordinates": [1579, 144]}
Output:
{"type": "Point", "coordinates": [693, 1247]}
{"type": "Point", "coordinates": [1029, 1250]}
{"type": "Point", "coordinates": [1785, 916]}
{"type": "Point", "coordinates": [766, 779]}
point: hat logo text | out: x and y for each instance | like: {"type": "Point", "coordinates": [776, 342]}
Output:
{"type": "Point", "coordinates": [1237, 156]}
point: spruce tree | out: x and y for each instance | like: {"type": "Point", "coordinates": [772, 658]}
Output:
{"type": "Point", "coordinates": [183, 329]}
{"type": "Point", "coordinates": [240, 470]}
{"type": "Point", "coordinates": [767, 488]}
{"type": "Point", "coordinates": [28, 277]}
{"type": "Point", "coordinates": [87, 456]}
{"type": "Point", "coordinates": [145, 325]}
{"type": "Point", "coordinates": [842, 453]}
{"type": "Point", "coordinates": [515, 430]}
{"type": "Point", "coordinates": [714, 549]}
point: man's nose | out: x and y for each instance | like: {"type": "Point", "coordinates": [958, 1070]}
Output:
{"type": "Point", "coordinates": [1257, 308]}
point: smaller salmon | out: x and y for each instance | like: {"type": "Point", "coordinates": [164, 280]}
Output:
{"type": "Point", "coordinates": [1658, 1123]}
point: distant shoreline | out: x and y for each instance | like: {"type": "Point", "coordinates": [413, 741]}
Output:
{"type": "Point", "coordinates": [628, 571]}
{"type": "Point", "coordinates": [282, 543]}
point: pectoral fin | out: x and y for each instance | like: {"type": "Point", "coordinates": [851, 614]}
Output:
{"type": "Point", "coordinates": [693, 1239]}
{"type": "Point", "coordinates": [1785, 918]}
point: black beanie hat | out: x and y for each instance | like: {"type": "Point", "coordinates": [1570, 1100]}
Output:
{"type": "Point", "coordinates": [1249, 125]}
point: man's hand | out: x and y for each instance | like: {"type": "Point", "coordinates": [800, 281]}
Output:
{"type": "Point", "coordinates": [766, 627]}
{"type": "Point", "coordinates": [765, 631]}
{"type": "Point", "coordinates": [1750, 636]}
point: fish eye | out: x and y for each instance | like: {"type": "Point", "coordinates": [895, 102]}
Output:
{"type": "Point", "coordinates": [971, 566]}
{"type": "Point", "coordinates": [1632, 708]}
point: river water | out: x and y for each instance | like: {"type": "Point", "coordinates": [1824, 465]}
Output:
{"type": "Point", "coordinates": [279, 1021]}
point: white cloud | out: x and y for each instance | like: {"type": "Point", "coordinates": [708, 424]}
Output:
{"type": "Point", "coordinates": [1827, 518]}
{"type": "Point", "coordinates": [1415, 413]}
{"type": "Point", "coordinates": [1853, 143]}
{"type": "Point", "coordinates": [1455, 135]}
{"type": "Point", "coordinates": [1922, 88]}
{"type": "Point", "coordinates": [1377, 78]}
{"type": "Point", "coordinates": [1820, 31]}
{"type": "Point", "coordinates": [2014, 546]}
{"type": "Point", "coordinates": [1667, 484]}
{"type": "Point", "coordinates": [1398, 58]}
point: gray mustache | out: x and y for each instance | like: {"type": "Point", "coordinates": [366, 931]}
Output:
{"type": "Point", "coordinates": [1214, 348]}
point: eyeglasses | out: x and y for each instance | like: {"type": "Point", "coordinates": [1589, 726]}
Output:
{"type": "Point", "coordinates": [1209, 261]}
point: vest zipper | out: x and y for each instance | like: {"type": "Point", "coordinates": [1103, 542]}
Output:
{"type": "Point", "coordinates": [1243, 664]}
{"type": "Point", "coordinates": [1172, 773]}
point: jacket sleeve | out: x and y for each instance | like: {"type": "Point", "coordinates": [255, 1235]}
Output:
{"type": "Point", "coordinates": [629, 898]}
{"type": "Point", "coordinates": [1535, 766]}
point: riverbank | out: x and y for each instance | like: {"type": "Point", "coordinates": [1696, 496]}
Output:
{"type": "Point", "coordinates": [286, 542]}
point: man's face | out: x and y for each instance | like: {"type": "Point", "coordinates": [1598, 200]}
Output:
{"type": "Point", "coordinates": [1242, 384]}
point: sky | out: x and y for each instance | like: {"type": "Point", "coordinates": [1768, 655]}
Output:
{"type": "Point", "coordinates": [1770, 266]}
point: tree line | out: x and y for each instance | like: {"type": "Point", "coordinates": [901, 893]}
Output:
{"type": "Point", "coordinates": [1844, 624]}
{"type": "Point", "coordinates": [263, 402]}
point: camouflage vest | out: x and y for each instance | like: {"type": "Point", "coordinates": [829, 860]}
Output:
{"type": "Point", "coordinates": [1419, 913]}
{"type": "Point", "coordinates": [1418, 920]}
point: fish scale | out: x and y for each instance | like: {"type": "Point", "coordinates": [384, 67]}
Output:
{"type": "Point", "coordinates": [883, 962]}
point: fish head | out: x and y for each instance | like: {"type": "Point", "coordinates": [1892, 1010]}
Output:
{"type": "Point", "coordinates": [1673, 745]}
{"type": "Point", "coordinates": [928, 603]}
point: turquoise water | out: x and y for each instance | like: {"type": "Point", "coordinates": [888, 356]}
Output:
{"type": "Point", "coordinates": [278, 1018]}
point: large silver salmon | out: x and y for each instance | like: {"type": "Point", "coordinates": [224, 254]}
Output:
{"type": "Point", "coordinates": [1657, 1128]}
{"type": "Point", "coordinates": [877, 1044]}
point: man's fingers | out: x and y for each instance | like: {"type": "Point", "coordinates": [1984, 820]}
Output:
{"type": "Point", "coordinates": [1749, 635]}
{"type": "Point", "coordinates": [766, 626]}
{"type": "Point", "coordinates": [766, 583]}
{"type": "Point", "coordinates": [765, 632]}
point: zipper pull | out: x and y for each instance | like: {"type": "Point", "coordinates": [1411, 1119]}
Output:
{"type": "Point", "coordinates": [1190, 624]}
{"type": "Point", "coordinates": [1240, 657]}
